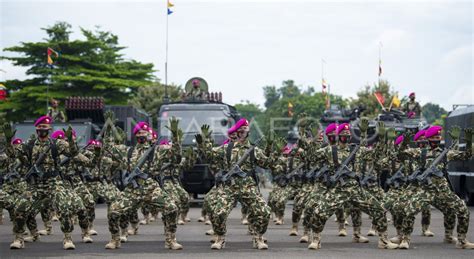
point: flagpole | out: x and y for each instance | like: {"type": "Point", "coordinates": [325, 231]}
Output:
{"type": "Point", "coordinates": [166, 60]}
{"type": "Point", "coordinates": [49, 81]}
{"type": "Point", "coordinates": [380, 61]}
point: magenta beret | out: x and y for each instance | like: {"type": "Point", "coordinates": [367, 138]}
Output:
{"type": "Point", "coordinates": [91, 142]}
{"type": "Point", "coordinates": [227, 141]}
{"type": "Point", "coordinates": [165, 142]}
{"type": "Point", "coordinates": [58, 134]}
{"type": "Point", "coordinates": [411, 94]}
{"type": "Point", "coordinates": [419, 134]}
{"type": "Point", "coordinates": [17, 141]}
{"type": "Point", "coordinates": [331, 128]}
{"type": "Point", "coordinates": [241, 123]}
{"type": "Point", "coordinates": [433, 131]}
{"type": "Point", "coordinates": [342, 127]}
{"type": "Point", "coordinates": [142, 125]}
{"type": "Point", "coordinates": [399, 140]}
{"type": "Point", "coordinates": [43, 120]}
{"type": "Point", "coordinates": [231, 130]}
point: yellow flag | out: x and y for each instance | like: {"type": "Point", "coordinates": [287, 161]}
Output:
{"type": "Point", "coordinates": [395, 101]}
{"type": "Point", "coordinates": [170, 4]}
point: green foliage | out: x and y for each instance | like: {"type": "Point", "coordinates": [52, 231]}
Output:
{"type": "Point", "coordinates": [433, 112]}
{"type": "Point", "coordinates": [150, 98]}
{"type": "Point", "coordinates": [88, 67]}
{"type": "Point", "coordinates": [366, 98]}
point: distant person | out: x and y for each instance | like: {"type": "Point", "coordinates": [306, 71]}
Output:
{"type": "Point", "coordinates": [196, 92]}
{"type": "Point", "coordinates": [412, 108]}
{"type": "Point", "coordinates": [54, 112]}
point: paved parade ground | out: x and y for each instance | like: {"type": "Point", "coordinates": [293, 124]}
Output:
{"type": "Point", "coordinates": [149, 243]}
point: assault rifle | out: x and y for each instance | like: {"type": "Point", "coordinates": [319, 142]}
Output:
{"type": "Point", "coordinates": [398, 178]}
{"type": "Point", "coordinates": [343, 170]}
{"type": "Point", "coordinates": [432, 169]}
{"type": "Point", "coordinates": [34, 169]}
{"type": "Point", "coordinates": [130, 176]}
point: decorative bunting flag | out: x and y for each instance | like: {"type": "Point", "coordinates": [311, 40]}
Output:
{"type": "Point", "coordinates": [51, 52]}
{"type": "Point", "coordinates": [395, 101]}
{"type": "Point", "coordinates": [290, 109]}
{"type": "Point", "coordinates": [169, 6]}
{"type": "Point", "coordinates": [380, 98]}
{"type": "Point", "coordinates": [380, 67]}
{"type": "Point", "coordinates": [324, 85]}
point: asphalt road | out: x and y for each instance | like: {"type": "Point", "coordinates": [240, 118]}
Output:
{"type": "Point", "coordinates": [150, 242]}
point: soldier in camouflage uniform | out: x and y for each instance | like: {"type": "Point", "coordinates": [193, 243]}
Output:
{"type": "Point", "coordinates": [142, 189]}
{"type": "Point", "coordinates": [74, 171]}
{"type": "Point", "coordinates": [243, 186]}
{"type": "Point", "coordinates": [45, 187]}
{"type": "Point", "coordinates": [346, 190]}
{"type": "Point", "coordinates": [12, 175]}
{"type": "Point", "coordinates": [436, 189]}
{"type": "Point", "coordinates": [171, 163]}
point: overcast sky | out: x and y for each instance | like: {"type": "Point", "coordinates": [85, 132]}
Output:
{"type": "Point", "coordinates": [240, 46]}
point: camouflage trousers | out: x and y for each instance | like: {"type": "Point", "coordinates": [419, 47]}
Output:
{"type": "Point", "coordinates": [349, 194]}
{"type": "Point", "coordinates": [121, 210]}
{"type": "Point", "coordinates": [441, 197]}
{"type": "Point", "coordinates": [206, 206]}
{"type": "Point", "coordinates": [13, 189]}
{"type": "Point", "coordinates": [56, 195]}
{"type": "Point", "coordinates": [277, 201]}
{"type": "Point", "coordinates": [178, 194]}
{"type": "Point", "coordinates": [245, 191]}
{"type": "Point", "coordinates": [87, 199]}
{"type": "Point", "coordinates": [394, 201]}
{"type": "Point", "coordinates": [300, 201]}
{"type": "Point", "coordinates": [290, 191]}
{"type": "Point", "coordinates": [106, 191]}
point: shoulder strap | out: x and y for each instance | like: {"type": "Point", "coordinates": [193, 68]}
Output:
{"type": "Point", "coordinates": [335, 155]}
{"type": "Point", "coordinates": [423, 154]}
{"type": "Point", "coordinates": [129, 154]}
{"type": "Point", "coordinates": [228, 152]}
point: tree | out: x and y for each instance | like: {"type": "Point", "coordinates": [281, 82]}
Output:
{"type": "Point", "coordinates": [366, 98]}
{"type": "Point", "coordinates": [271, 95]}
{"type": "Point", "coordinates": [433, 112]}
{"type": "Point", "coordinates": [150, 98]}
{"type": "Point", "coordinates": [89, 67]}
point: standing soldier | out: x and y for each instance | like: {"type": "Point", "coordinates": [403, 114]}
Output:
{"type": "Point", "coordinates": [55, 113]}
{"type": "Point", "coordinates": [345, 189]}
{"type": "Point", "coordinates": [435, 187]}
{"type": "Point", "coordinates": [142, 189]}
{"type": "Point", "coordinates": [412, 108]}
{"type": "Point", "coordinates": [240, 157]}
{"type": "Point", "coordinates": [45, 188]}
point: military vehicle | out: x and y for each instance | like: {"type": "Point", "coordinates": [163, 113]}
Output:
{"type": "Point", "coordinates": [461, 173]}
{"type": "Point", "coordinates": [86, 116]}
{"type": "Point", "coordinates": [196, 108]}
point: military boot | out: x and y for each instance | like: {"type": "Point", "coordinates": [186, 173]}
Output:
{"type": "Point", "coordinates": [314, 241]}
{"type": "Point", "coordinates": [342, 230]}
{"type": "Point", "coordinates": [259, 243]}
{"type": "Point", "coordinates": [449, 238]}
{"type": "Point", "coordinates": [86, 237]}
{"type": "Point", "coordinates": [67, 242]}
{"type": "Point", "coordinates": [425, 231]}
{"type": "Point", "coordinates": [398, 238]}
{"type": "Point", "coordinates": [171, 243]}
{"type": "Point", "coordinates": [372, 232]}
{"type": "Point", "coordinates": [202, 219]}
{"type": "Point", "coordinates": [384, 243]}
{"type": "Point", "coordinates": [33, 237]}
{"type": "Point", "coordinates": [244, 220]}
{"type": "Point", "coordinates": [219, 243]}
{"type": "Point", "coordinates": [405, 242]}
{"type": "Point", "coordinates": [208, 222]}
{"type": "Point", "coordinates": [48, 229]}
{"type": "Point", "coordinates": [114, 243]}
{"type": "Point", "coordinates": [55, 217]}
{"type": "Point", "coordinates": [357, 237]}
{"type": "Point", "coordinates": [305, 237]}
{"type": "Point", "coordinates": [145, 221]}
{"type": "Point", "coordinates": [463, 243]}
{"type": "Point", "coordinates": [18, 242]}
{"type": "Point", "coordinates": [294, 230]}
{"type": "Point", "coordinates": [210, 232]}
{"type": "Point", "coordinates": [133, 230]}
{"type": "Point", "coordinates": [92, 231]}
{"type": "Point", "coordinates": [124, 235]}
